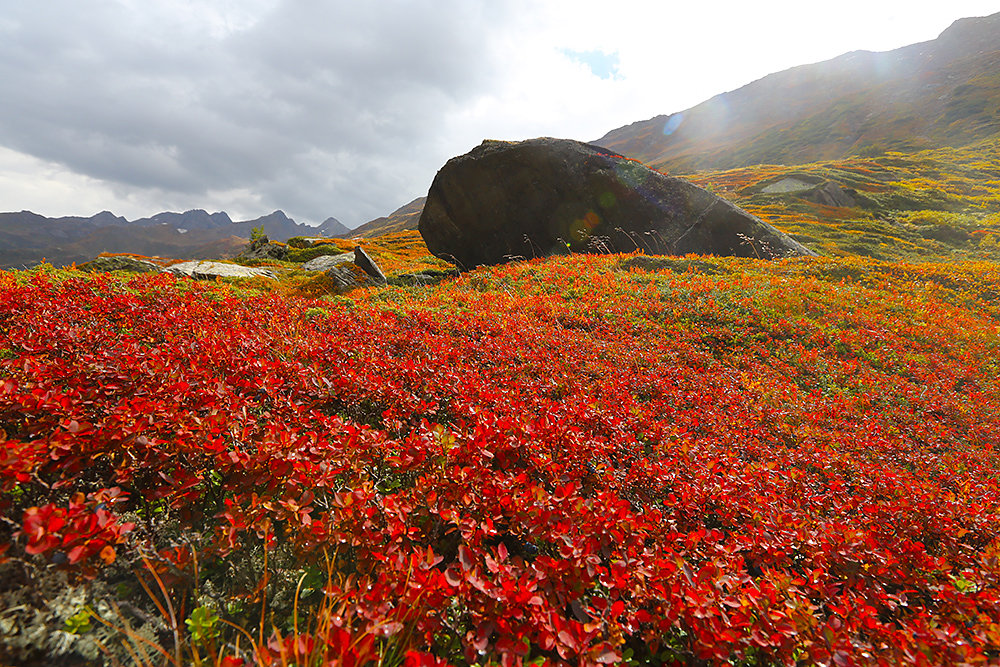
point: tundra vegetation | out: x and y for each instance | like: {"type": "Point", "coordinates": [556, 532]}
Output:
{"type": "Point", "coordinates": [931, 205]}
{"type": "Point", "coordinates": [584, 459]}
{"type": "Point", "coordinates": [593, 459]}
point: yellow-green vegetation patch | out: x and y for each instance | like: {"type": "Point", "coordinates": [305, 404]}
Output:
{"type": "Point", "coordinates": [930, 205]}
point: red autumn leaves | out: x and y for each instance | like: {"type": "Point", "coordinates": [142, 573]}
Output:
{"type": "Point", "coordinates": [85, 528]}
{"type": "Point", "coordinates": [561, 461]}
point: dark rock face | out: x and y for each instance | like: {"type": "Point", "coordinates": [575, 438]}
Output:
{"type": "Point", "coordinates": [368, 265]}
{"type": "Point", "coordinates": [545, 196]}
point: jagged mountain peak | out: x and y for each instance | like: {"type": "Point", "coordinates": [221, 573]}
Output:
{"type": "Point", "coordinates": [27, 237]}
{"type": "Point", "coordinates": [333, 228]}
{"type": "Point", "coordinates": [277, 214]}
{"type": "Point", "coordinates": [196, 218]}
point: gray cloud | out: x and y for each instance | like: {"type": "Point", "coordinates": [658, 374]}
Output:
{"type": "Point", "coordinates": [320, 108]}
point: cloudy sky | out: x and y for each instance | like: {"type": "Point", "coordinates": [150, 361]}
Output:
{"type": "Point", "coordinates": [347, 109]}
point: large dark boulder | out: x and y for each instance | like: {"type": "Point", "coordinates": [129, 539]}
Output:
{"type": "Point", "coordinates": [544, 196]}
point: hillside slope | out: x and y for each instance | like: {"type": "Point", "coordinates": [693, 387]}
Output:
{"type": "Point", "coordinates": [944, 92]}
{"type": "Point", "coordinates": [941, 204]}
{"type": "Point", "coordinates": [929, 205]}
{"type": "Point", "coordinates": [403, 218]}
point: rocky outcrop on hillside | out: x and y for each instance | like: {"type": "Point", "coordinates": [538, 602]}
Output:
{"type": "Point", "coordinates": [545, 196]}
{"type": "Point", "coordinates": [815, 190]}
{"type": "Point", "coordinates": [263, 249]}
{"type": "Point", "coordinates": [403, 218]}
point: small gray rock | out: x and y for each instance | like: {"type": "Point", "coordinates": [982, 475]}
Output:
{"type": "Point", "coordinates": [327, 262]}
{"type": "Point", "coordinates": [213, 270]}
{"type": "Point", "coordinates": [118, 263]}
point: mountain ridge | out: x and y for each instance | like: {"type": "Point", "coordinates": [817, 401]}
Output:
{"type": "Point", "coordinates": [27, 237]}
{"type": "Point", "coordinates": [403, 218]}
{"type": "Point", "coordinates": [938, 92]}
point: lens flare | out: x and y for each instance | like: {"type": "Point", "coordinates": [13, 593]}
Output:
{"type": "Point", "coordinates": [580, 228]}
{"type": "Point", "coordinates": [673, 123]}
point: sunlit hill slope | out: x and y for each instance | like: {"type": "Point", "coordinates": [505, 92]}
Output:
{"type": "Point", "coordinates": [941, 204]}
{"type": "Point", "coordinates": [945, 92]}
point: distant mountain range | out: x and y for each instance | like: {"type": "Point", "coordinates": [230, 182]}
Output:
{"type": "Point", "coordinates": [26, 237]}
{"type": "Point", "coordinates": [940, 93]}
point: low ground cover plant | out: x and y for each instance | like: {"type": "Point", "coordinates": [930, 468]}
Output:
{"type": "Point", "coordinates": [940, 204]}
{"type": "Point", "coordinates": [583, 460]}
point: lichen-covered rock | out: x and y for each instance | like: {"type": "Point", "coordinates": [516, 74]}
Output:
{"type": "Point", "coordinates": [544, 196]}
{"type": "Point", "coordinates": [119, 263]}
{"type": "Point", "coordinates": [345, 277]}
{"type": "Point", "coordinates": [212, 270]}
{"type": "Point", "coordinates": [358, 257]}
{"type": "Point", "coordinates": [327, 262]}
